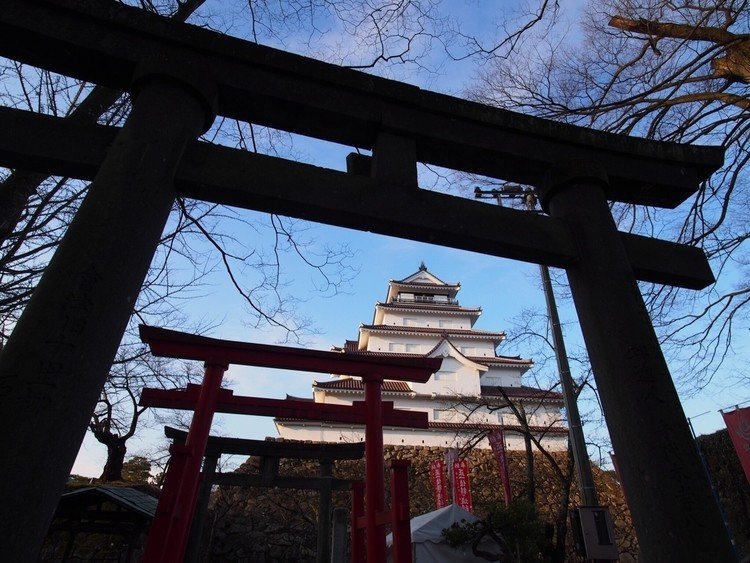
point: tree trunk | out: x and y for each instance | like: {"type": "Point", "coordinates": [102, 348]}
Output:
{"type": "Point", "coordinates": [530, 480]}
{"type": "Point", "coordinates": [115, 458]}
{"type": "Point", "coordinates": [559, 554]}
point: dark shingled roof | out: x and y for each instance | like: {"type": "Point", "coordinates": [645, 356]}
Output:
{"type": "Point", "coordinates": [424, 283]}
{"type": "Point", "coordinates": [126, 497]}
{"type": "Point", "coordinates": [513, 360]}
{"type": "Point", "coordinates": [294, 398]}
{"type": "Point", "coordinates": [522, 392]}
{"type": "Point", "coordinates": [429, 306]}
{"type": "Point", "coordinates": [351, 347]}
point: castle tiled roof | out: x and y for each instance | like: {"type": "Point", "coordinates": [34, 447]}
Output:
{"type": "Point", "coordinates": [418, 306]}
{"type": "Point", "coordinates": [351, 384]}
{"type": "Point", "coordinates": [501, 360]}
{"type": "Point", "coordinates": [440, 282]}
{"type": "Point", "coordinates": [521, 392]}
{"type": "Point", "coordinates": [464, 426]}
{"type": "Point", "coordinates": [433, 331]}
{"type": "Point", "coordinates": [351, 347]}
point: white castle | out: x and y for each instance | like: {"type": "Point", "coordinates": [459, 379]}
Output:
{"type": "Point", "coordinates": [421, 316]}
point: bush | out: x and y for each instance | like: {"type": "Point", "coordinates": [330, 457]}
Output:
{"type": "Point", "coordinates": [515, 527]}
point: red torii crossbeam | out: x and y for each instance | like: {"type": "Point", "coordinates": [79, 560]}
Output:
{"type": "Point", "coordinates": [169, 531]}
{"type": "Point", "coordinates": [228, 402]}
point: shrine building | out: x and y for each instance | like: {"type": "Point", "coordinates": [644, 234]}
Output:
{"type": "Point", "coordinates": [421, 315]}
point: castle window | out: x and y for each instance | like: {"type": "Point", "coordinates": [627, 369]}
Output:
{"type": "Point", "coordinates": [446, 376]}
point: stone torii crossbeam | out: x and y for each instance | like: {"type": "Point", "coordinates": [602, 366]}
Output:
{"type": "Point", "coordinates": [179, 76]}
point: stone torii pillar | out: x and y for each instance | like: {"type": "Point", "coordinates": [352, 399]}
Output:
{"type": "Point", "coordinates": [107, 248]}
{"type": "Point", "coordinates": [639, 395]}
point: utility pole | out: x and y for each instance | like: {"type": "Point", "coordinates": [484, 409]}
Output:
{"type": "Point", "coordinates": [575, 428]}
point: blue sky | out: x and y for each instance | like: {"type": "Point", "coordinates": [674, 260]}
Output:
{"type": "Point", "coordinates": [501, 287]}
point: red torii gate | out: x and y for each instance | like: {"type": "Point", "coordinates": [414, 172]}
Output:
{"type": "Point", "coordinates": [169, 531]}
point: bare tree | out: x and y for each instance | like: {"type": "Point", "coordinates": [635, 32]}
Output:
{"type": "Point", "coordinates": [672, 71]}
{"type": "Point", "coordinates": [202, 240]}
{"type": "Point", "coordinates": [534, 436]}
{"type": "Point", "coordinates": [117, 415]}
{"type": "Point", "coordinates": [531, 331]}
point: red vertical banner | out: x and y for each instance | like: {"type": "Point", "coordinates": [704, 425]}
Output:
{"type": "Point", "coordinates": [461, 484]}
{"type": "Point", "coordinates": [438, 481]}
{"type": "Point", "coordinates": [497, 443]}
{"type": "Point", "coordinates": [738, 424]}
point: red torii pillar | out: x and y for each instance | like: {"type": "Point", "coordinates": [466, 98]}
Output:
{"type": "Point", "coordinates": [168, 535]}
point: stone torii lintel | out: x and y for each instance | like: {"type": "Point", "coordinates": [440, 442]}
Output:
{"type": "Point", "coordinates": [355, 200]}
{"type": "Point", "coordinates": [294, 93]}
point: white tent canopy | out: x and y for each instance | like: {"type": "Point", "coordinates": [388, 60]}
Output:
{"type": "Point", "coordinates": [429, 545]}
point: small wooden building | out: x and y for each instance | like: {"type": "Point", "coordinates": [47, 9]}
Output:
{"type": "Point", "coordinates": [100, 523]}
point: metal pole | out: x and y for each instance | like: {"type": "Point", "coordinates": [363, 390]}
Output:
{"type": "Point", "coordinates": [338, 541]}
{"type": "Point", "coordinates": [358, 553]}
{"type": "Point", "coordinates": [714, 490]}
{"type": "Point", "coordinates": [673, 511]}
{"type": "Point", "coordinates": [575, 428]}
{"type": "Point", "coordinates": [192, 552]}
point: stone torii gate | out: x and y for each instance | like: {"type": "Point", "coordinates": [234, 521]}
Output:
{"type": "Point", "coordinates": [270, 453]}
{"type": "Point", "coordinates": [55, 363]}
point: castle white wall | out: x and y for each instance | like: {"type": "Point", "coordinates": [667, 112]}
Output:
{"type": "Point", "coordinates": [453, 378]}
{"type": "Point", "coordinates": [501, 377]}
{"type": "Point", "coordinates": [440, 409]}
{"type": "Point", "coordinates": [430, 320]}
{"type": "Point", "coordinates": [413, 344]}
{"type": "Point", "coordinates": [409, 437]}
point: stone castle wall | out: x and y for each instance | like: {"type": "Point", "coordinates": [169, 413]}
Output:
{"type": "Point", "coordinates": [280, 525]}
